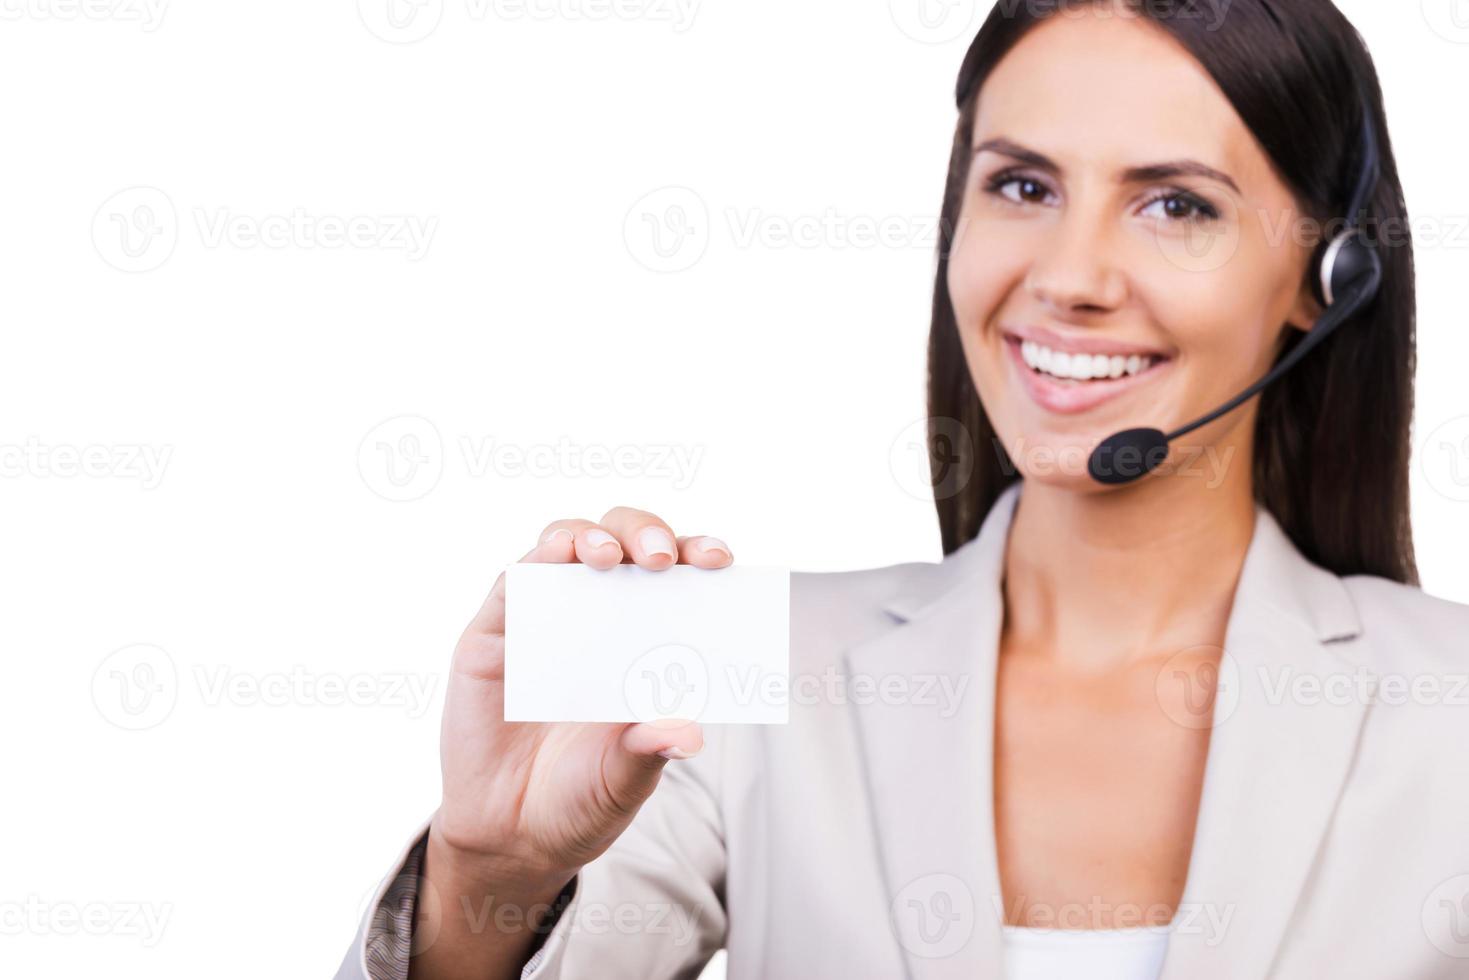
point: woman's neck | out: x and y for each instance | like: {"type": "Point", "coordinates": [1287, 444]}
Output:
{"type": "Point", "coordinates": [1107, 580]}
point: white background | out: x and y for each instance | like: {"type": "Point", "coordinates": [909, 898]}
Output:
{"type": "Point", "coordinates": [271, 552]}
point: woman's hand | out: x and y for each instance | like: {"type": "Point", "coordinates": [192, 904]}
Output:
{"type": "Point", "coordinates": [527, 804]}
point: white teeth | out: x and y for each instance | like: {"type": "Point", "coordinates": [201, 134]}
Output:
{"type": "Point", "coordinates": [1082, 367]}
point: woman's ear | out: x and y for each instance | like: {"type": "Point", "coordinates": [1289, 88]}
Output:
{"type": "Point", "coordinates": [1306, 310]}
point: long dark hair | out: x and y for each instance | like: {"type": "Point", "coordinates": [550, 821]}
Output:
{"type": "Point", "coordinates": [1332, 437]}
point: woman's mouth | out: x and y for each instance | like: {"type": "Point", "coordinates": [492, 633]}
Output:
{"type": "Point", "coordinates": [1067, 383]}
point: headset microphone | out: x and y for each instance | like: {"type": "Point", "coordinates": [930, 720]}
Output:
{"type": "Point", "coordinates": [1345, 277]}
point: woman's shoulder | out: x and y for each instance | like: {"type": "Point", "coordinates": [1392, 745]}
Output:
{"type": "Point", "coordinates": [1413, 648]}
{"type": "Point", "coordinates": [1416, 649]}
{"type": "Point", "coordinates": [863, 586]}
{"type": "Point", "coordinates": [1410, 625]}
{"type": "Point", "coordinates": [831, 611]}
{"type": "Point", "coordinates": [862, 592]}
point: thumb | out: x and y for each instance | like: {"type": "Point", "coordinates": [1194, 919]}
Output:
{"type": "Point", "coordinates": [644, 749]}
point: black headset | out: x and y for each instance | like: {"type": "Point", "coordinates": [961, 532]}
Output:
{"type": "Point", "coordinates": [1345, 275]}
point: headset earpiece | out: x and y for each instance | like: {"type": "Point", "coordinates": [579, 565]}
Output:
{"type": "Point", "coordinates": [1350, 259]}
{"type": "Point", "coordinates": [1345, 260]}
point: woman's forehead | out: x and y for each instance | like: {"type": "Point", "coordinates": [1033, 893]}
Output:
{"type": "Point", "coordinates": [1103, 95]}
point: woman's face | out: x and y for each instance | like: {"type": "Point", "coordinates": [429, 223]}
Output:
{"type": "Point", "coordinates": [1068, 248]}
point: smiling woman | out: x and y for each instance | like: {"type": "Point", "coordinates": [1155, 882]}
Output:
{"type": "Point", "coordinates": [1159, 184]}
{"type": "Point", "coordinates": [1137, 775]}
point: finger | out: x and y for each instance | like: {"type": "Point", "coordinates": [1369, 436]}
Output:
{"type": "Point", "coordinates": [558, 541]}
{"type": "Point", "coordinates": [596, 547]}
{"type": "Point", "coordinates": [703, 551]}
{"type": "Point", "coordinates": [557, 545]}
{"type": "Point", "coordinates": [578, 539]}
{"type": "Point", "coordinates": [633, 766]}
{"type": "Point", "coordinates": [644, 537]}
{"type": "Point", "coordinates": [678, 737]}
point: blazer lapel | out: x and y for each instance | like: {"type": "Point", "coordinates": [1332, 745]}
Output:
{"type": "Point", "coordinates": [1275, 768]}
{"type": "Point", "coordinates": [928, 766]}
{"type": "Point", "coordinates": [1290, 701]}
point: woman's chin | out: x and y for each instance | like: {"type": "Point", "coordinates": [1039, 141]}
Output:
{"type": "Point", "coordinates": [1052, 458]}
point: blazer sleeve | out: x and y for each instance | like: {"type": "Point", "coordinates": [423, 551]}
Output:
{"type": "Point", "coordinates": [652, 906]}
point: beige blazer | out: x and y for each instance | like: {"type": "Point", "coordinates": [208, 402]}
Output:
{"type": "Point", "coordinates": [858, 840]}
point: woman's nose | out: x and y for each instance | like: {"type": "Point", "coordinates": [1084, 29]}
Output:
{"type": "Point", "coordinates": [1075, 267]}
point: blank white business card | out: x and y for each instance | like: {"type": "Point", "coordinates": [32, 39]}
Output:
{"type": "Point", "coordinates": [628, 644]}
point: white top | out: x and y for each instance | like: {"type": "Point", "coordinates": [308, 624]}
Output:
{"type": "Point", "coordinates": [1095, 954]}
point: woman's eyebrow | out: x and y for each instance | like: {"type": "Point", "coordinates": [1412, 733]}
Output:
{"type": "Point", "coordinates": [1146, 174]}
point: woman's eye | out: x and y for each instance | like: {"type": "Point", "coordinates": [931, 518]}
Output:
{"type": "Point", "coordinates": [1178, 206]}
{"type": "Point", "coordinates": [1030, 191]}
{"type": "Point", "coordinates": [1185, 207]}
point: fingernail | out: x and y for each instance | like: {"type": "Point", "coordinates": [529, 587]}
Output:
{"type": "Point", "coordinates": [655, 541]}
{"type": "Point", "coordinates": [707, 543]}
{"type": "Point", "coordinates": [560, 530]}
{"type": "Point", "coordinates": [674, 752]}
{"type": "Point", "coordinates": [599, 538]}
